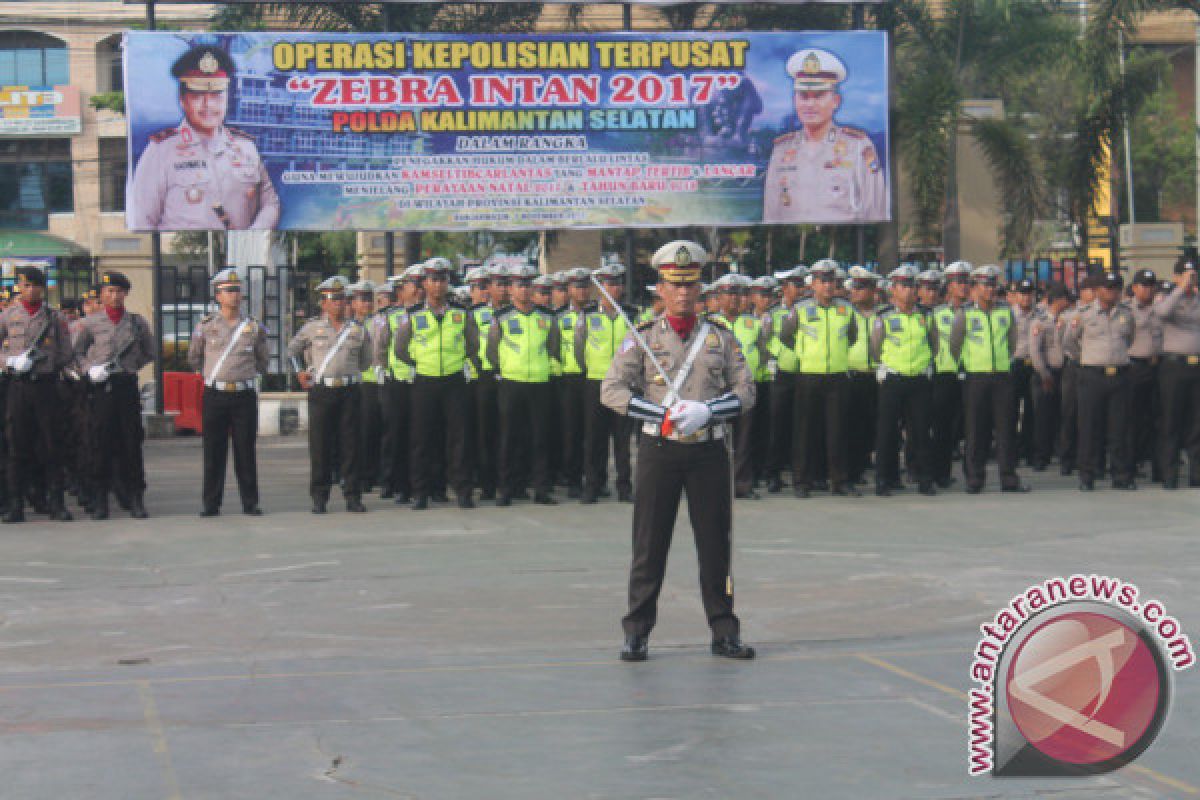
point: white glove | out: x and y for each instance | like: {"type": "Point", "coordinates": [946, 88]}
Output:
{"type": "Point", "coordinates": [20, 364]}
{"type": "Point", "coordinates": [98, 373]}
{"type": "Point", "coordinates": [689, 416]}
{"type": "Point", "coordinates": [881, 374]}
{"type": "Point", "coordinates": [929, 371]}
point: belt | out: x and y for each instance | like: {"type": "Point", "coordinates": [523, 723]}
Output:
{"type": "Point", "coordinates": [700, 436]}
{"type": "Point", "coordinates": [32, 377]}
{"type": "Point", "coordinates": [1144, 360]}
{"type": "Point", "coordinates": [231, 386]}
{"type": "Point", "coordinates": [1108, 372]}
{"type": "Point", "coordinates": [337, 383]}
{"type": "Point", "coordinates": [1179, 358]}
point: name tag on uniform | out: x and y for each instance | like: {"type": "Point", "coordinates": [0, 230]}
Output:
{"type": "Point", "coordinates": [976, 324]}
{"type": "Point", "coordinates": [812, 314]}
{"type": "Point", "coordinates": [421, 322]}
{"type": "Point", "coordinates": [514, 327]}
{"type": "Point", "coordinates": [596, 324]}
{"type": "Point", "coordinates": [486, 316]}
{"type": "Point", "coordinates": [895, 325]}
{"type": "Point", "coordinates": [456, 317]}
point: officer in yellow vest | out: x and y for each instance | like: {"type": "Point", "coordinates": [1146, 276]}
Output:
{"type": "Point", "coordinates": [821, 332]}
{"type": "Point", "coordinates": [573, 383]}
{"type": "Point", "coordinates": [763, 296]}
{"type": "Point", "coordinates": [599, 331]}
{"type": "Point", "coordinates": [982, 337]}
{"type": "Point", "coordinates": [904, 341]}
{"type": "Point", "coordinates": [362, 306]}
{"type": "Point", "coordinates": [753, 336]}
{"type": "Point", "coordinates": [395, 449]}
{"type": "Point", "coordinates": [522, 343]}
{"type": "Point", "coordinates": [947, 411]}
{"type": "Point", "coordinates": [862, 389]}
{"type": "Point", "coordinates": [437, 340]}
{"type": "Point", "coordinates": [481, 391]}
{"type": "Point", "coordinates": [543, 297]}
{"type": "Point", "coordinates": [783, 388]}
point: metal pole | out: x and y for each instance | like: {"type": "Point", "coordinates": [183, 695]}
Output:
{"type": "Point", "coordinates": [1125, 125]}
{"type": "Point", "coordinates": [630, 243]}
{"type": "Point", "coordinates": [859, 22]}
{"type": "Point", "coordinates": [389, 254]}
{"type": "Point", "coordinates": [155, 282]}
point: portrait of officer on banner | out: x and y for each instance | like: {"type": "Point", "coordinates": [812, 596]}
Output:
{"type": "Point", "coordinates": [825, 172]}
{"type": "Point", "coordinates": [202, 174]}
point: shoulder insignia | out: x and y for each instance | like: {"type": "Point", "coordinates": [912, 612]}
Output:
{"type": "Point", "coordinates": [163, 135]}
{"type": "Point", "coordinates": [238, 133]}
{"type": "Point", "coordinates": [785, 138]}
{"type": "Point", "coordinates": [852, 133]}
{"type": "Point", "coordinates": [207, 318]}
{"type": "Point", "coordinates": [647, 325]}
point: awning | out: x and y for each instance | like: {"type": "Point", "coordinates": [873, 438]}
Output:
{"type": "Point", "coordinates": [14, 244]}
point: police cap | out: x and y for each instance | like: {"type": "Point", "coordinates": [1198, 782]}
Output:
{"type": "Point", "coordinates": [814, 70]}
{"type": "Point", "coordinates": [227, 278]}
{"type": "Point", "coordinates": [361, 287]}
{"type": "Point", "coordinates": [34, 275]}
{"type": "Point", "coordinates": [113, 278]}
{"type": "Point", "coordinates": [679, 261]}
{"type": "Point", "coordinates": [334, 286]}
{"type": "Point", "coordinates": [986, 274]}
{"type": "Point", "coordinates": [1145, 277]}
{"type": "Point", "coordinates": [204, 69]}
{"type": "Point", "coordinates": [1184, 264]}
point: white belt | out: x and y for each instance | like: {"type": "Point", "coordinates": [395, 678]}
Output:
{"type": "Point", "coordinates": [231, 386]}
{"type": "Point", "coordinates": [345, 380]}
{"type": "Point", "coordinates": [702, 435]}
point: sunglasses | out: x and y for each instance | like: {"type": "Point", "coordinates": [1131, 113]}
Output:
{"type": "Point", "coordinates": [231, 289]}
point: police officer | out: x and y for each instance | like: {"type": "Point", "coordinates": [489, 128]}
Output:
{"type": "Point", "coordinates": [599, 331]}
{"type": "Point", "coordinates": [862, 387]}
{"type": "Point", "coordinates": [1143, 373]}
{"type": "Point", "coordinates": [982, 338]}
{"type": "Point", "coordinates": [36, 345]}
{"type": "Point", "coordinates": [437, 340]}
{"type": "Point", "coordinates": [1179, 376]}
{"type": "Point", "coordinates": [783, 388]}
{"type": "Point", "coordinates": [229, 350]}
{"type": "Point", "coordinates": [572, 386]}
{"type": "Point", "coordinates": [202, 174]}
{"type": "Point", "coordinates": [904, 342]}
{"type": "Point", "coordinates": [543, 298]}
{"type": "Point", "coordinates": [493, 281]}
{"type": "Point", "coordinates": [1046, 351]}
{"type": "Point", "coordinates": [681, 448]}
{"type": "Point", "coordinates": [111, 345]}
{"type": "Point", "coordinates": [824, 172]}
{"type": "Point", "coordinates": [763, 297]}
{"type": "Point", "coordinates": [397, 389]}
{"type": "Point", "coordinates": [1068, 430]}
{"type": "Point", "coordinates": [1023, 420]}
{"type": "Point", "coordinates": [1103, 331]}
{"type": "Point", "coordinates": [946, 410]}
{"type": "Point", "coordinates": [753, 336]}
{"type": "Point", "coordinates": [820, 331]}
{"type": "Point", "coordinates": [370, 391]}
{"type": "Point", "coordinates": [329, 355]}
{"type": "Point", "coordinates": [522, 342]}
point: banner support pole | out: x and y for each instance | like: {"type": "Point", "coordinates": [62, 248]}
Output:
{"type": "Point", "coordinates": [155, 279]}
{"type": "Point", "coordinates": [630, 244]}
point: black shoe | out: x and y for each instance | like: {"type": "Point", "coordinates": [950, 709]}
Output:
{"type": "Point", "coordinates": [319, 504]}
{"type": "Point", "coordinates": [974, 488]}
{"type": "Point", "coordinates": [589, 497]}
{"type": "Point", "coordinates": [487, 494]}
{"type": "Point", "coordinates": [574, 492]}
{"type": "Point", "coordinates": [1018, 488]}
{"type": "Point", "coordinates": [100, 506]}
{"type": "Point", "coordinates": [1039, 466]}
{"type": "Point", "coordinates": [355, 505]}
{"type": "Point", "coordinates": [210, 512]}
{"type": "Point", "coordinates": [521, 495]}
{"type": "Point", "coordinates": [635, 648]}
{"type": "Point", "coordinates": [402, 498]}
{"type": "Point", "coordinates": [1129, 485]}
{"type": "Point", "coordinates": [503, 500]}
{"type": "Point", "coordinates": [544, 499]}
{"type": "Point", "coordinates": [801, 492]}
{"type": "Point", "coordinates": [1171, 483]}
{"type": "Point", "coordinates": [439, 497]}
{"type": "Point", "coordinates": [821, 485]}
{"type": "Point", "coordinates": [252, 511]}
{"type": "Point", "coordinates": [1066, 468]}
{"type": "Point", "coordinates": [926, 488]}
{"type": "Point", "coordinates": [136, 509]}
{"type": "Point", "coordinates": [774, 484]}
{"type": "Point", "coordinates": [1086, 484]}
{"type": "Point", "coordinates": [387, 494]}
{"type": "Point", "coordinates": [732, 647]}
{"type": "Point", "coordinates": [465, 501]}
{"type": "Point", "coordinates": [746, 494]}
{"type": "Point", "coordinates": [624, 495]}
{"type": "Point", "coordinates": [883, 490]}
{"type": "Point", "coordinates": [944, 483]}
{"type": "Point", "coordinates": [14, 514]}
{"type": "Point", "coordinates": [604, 492]}
{"type": "Point", "coordinates": [846, 490]}
{"type": "Point", "coordinates": [1194, 483]}
{"type": "Point", "coordinates": [420, 503]}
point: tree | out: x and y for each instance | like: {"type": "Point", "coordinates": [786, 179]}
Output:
{"type": "Point", "coordinates": [1164, 156]}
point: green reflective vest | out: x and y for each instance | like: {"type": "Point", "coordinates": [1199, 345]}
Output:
{"type": "Point", "coordinates": [397, 368]}
{"type": "Point", "coordinates": [784, 357]}
{"type": "Point", "coordinates": [483, 322]}
{"type": "Point", "coordinates": [523, 354]}
{"type": "Point", "coordinates": [646, 315]}
{"type": "Point", "coordinates": [905, 348]}
{"type": "Point", "coordinates": [368, 375]}
{"type": "Point", "coordinates": [823, 337]}
{"type": "Point", "coordinates": [746, 329]}
{"type": "Point", "coordinates": [944, 362]}
{"type": "Point", "coordinates": [604, 336]}
{"type": "Point", "coordinates": [858, 358]}
{"type": "Point", "coordinates": [985, 347]}
{"type": "Point", "coordinates": [566, 322]}
{"type": "Point", "coordinates": [438, 346]}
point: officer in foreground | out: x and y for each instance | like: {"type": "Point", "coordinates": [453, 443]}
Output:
{"type": "Point", "coordinates": [230, 351]}
{"type": "Point", "coordinates": [683, 446]}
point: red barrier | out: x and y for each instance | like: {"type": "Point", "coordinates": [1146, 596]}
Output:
{"type": "Point", "coordinates": [183, 396]}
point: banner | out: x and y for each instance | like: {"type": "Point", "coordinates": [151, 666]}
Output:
{"type": "Point", "coordinates": [302, 131]}
{"type": "Point", "coordinates": [33, 110]}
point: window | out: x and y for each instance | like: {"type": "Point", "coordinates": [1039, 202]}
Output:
{"type": "Point", "coordinates": [32, 59]}
{"type": "Point", "coordinates": [35, 181]}
{"type": "Point", "coordinates": [114, 169]}
{"type": "Point", "coordinates": [110, 74]}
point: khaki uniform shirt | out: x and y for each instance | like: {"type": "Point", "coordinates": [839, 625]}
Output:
{"type": "Point", "coordinates": [181, 182]}
{"type": "Point", "coordinates": [837, 179]}
{"type": "Point", "coordinates": [19, 330]}
{"type": "Point", "coordinates": [1147, 331]}
{"type": "Point", "coordinates": [1103, 337]}
{"type": "Point", "coordinates": [1022, 321]}
{"type": "Point", "coordinates": [313, 342]}
{"type": "Point", "coordinates": [719, 368]}
{"type": "Point", "coordinates": [1180, 316]}
{"type": "Point", "coordinates": [98, 340]}
{"type": "Point", "coordinates": [247, 358]}
{"type": "Point", "coordinates": [1045, 343]}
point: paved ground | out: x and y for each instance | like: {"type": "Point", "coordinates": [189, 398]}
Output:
{"type": "Point", "coordinates": [455, 654]}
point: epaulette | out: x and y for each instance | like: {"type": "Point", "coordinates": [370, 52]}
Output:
{"type": "Point", "coordinates": [207, 318]}
{"type": "Point", "coordinates": [852, 133]}
{"type": "Point", "coordinates": [630, 310]}
{"type": "Point", "coordinates": [785, 137]}
{"type": "Point", "coordinates": [239, 133]}
{"type": "Point", "coordinates": [589, 307]}
{"type": "Point", "coordinates": [717, 319]}
{"type": "Point", "coordinates": [645, 326]}
{"type": "Point", "coordinates": [164, 134]}
{"type": "Point", "coordinates": [885, 308]}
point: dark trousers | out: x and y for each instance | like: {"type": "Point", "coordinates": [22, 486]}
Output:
{"type": "Point", "coordinates": [1179, 388]}
{"type": "Point", "coordinates": [554, 443]}
{"type": "Point", "coordinates": [743, 453]}
{"type": "Point", "coordinates": [1022, 409]}
{"type": "Point", "coordinates": [571, 390]}
{"type": "Point", "coordinates": [33, 422]}
{"type": "Point", "coordinates": [1068, 424]}
{"type": "Point", "coordinates": [945, 422]}
{"type": "Point", "coordinates": [819, 399]}
{"type": "Point", "coordinates": [230, 415]}
{"type": "Point", "coordinates": [115, 417]}
{"type": "Point", "coordinates": [862, 400]}
{"type": "Point", "coordinates": [1047, 406]}
{"type": "Point", "coordinates": [987, 409]}
{"type": "Point", "coordinates": [524, 428]}
{"type": "Point", "coordinates": [783, 412]}
{"type": "Point", "coordinates": [908, 400]}
{"type": "Point", "coordinates": [667, 469]}
{"type": "Point", "coordinates": [1143, 415]}
{"type": "Point", "coordinates": [395, 448]}
{"type": "Point", "coordinates": [1104, 403]}
{"type": "Point", "coordinates": [4, 475]}
{"type": "Point", "coordinates": [333, 418]}
{"type": "Point", "coordinates": [602, 425]}
{"type": "Point", "coordinates": [760, 443]}
{"type": "Point", "coordinates": [370, 437]}
{"type": "Point", "coordinates": [487, 431]}
{"type": "Point", "coordinates": [440, 425]}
